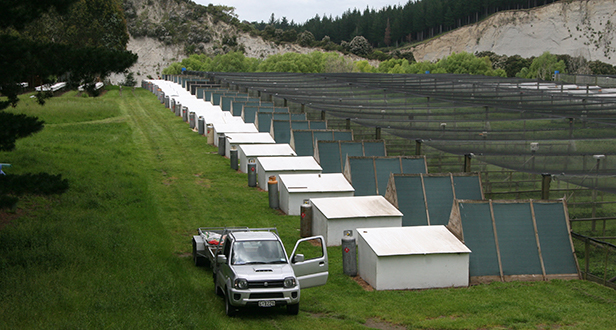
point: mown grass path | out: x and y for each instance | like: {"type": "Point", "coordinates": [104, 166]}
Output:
{"type": "Point", "coordinates": [113, 252]}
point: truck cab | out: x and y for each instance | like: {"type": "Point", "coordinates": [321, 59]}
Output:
{"type": "Point", "coordinates": [253, 269]}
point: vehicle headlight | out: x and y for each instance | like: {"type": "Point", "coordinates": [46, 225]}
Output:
{"type": "Point", "coordinates": [289, 282]}
{"type": "Point", "coordinates": [240, 283]}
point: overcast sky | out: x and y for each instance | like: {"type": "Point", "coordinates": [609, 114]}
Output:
{"type": "Point", "coordinates": [297, 10]}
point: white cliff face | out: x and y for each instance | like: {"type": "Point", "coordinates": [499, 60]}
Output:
{"type": "Point", "coordinates": [574, 27]}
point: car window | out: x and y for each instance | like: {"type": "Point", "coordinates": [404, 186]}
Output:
{"type": "Point", "coordinates": [258, 252]}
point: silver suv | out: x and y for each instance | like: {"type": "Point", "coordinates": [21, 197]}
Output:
{"type": "Point", "coordinates": [254, 270]}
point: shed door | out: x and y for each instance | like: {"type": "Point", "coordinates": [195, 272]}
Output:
{"type": "Point", "coordinates": [313, 271]}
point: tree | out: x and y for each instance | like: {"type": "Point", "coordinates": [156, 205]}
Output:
{"type": "Point", "coordinates": [599, 67]}
{"type": "Point", "coordinates": [387, 38]}
{"type": "Point", "coordinates": [465, 63]}
{"type": "Point", "coordinates": [23, 56]}
{"type": "Point", "coordinates": [305, 39]}
{"type": "Point", "coordinates": [27, 49]}
{"type": "Point", "coordinates": [544, 66]}
{"type": "Point", "coordinates": [514, 64]}
{"type": "Point", "coordinates": [360, 46]}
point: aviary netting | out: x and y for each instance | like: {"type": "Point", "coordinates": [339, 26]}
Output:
{"type": "Point", "coordinates": [532, 126]}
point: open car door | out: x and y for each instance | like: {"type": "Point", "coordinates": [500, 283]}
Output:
{"type": "Point", "coordinates": [309, 262]}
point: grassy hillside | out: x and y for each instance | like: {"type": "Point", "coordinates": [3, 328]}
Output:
{"type": "Point", "coordinates": [114, 251]}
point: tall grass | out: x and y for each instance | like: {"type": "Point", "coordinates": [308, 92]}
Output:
{"type": "Point", "coordinates": [114, 251]}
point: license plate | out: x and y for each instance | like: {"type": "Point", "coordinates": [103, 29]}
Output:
{"type": "Point", "coordinates": [267, 303]}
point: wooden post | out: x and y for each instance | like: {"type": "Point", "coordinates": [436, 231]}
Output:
{"type": "Point", "coordinates": [586, 257]}
{"type": "Point", "coordinates": [545, 185]}
{"type": "Point", "coordinates": [467, 163]}
{"type": "Point", "coordinates": [605, 265]}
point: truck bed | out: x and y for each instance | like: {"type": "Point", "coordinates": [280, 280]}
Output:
{"type": "Point", "coordinates": [209, 242]}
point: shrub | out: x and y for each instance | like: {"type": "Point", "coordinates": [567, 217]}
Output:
{"type": "Point", "coordinates": [360, 46]}
{"type": "Point", "coordinates": [305, 39]}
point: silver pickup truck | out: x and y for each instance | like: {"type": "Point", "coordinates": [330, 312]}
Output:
{"type": "Point", "coordinates": [251, 268]}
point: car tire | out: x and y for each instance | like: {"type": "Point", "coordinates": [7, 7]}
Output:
{"type": "Point", "coordinates": [293, 309]}
{"type": "Point", "coordinates": [230, 310]}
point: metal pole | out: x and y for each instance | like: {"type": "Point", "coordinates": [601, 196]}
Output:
{"type": "Point", "coordinates": [594, 191]}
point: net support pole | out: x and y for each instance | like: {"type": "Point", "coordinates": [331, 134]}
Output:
{"type": "Point", "coordinates": [378, 133]}
{"type": "Point", "coordinates": [594, 191]}
{"type": "Point", "coordinates": [348, 123]}
{"type": "Point", "coordinates": [545, 185]}
{"type": "Point", "coordinates": [467, 163]}
{"type": "Point", "coordinates": [418, 147]}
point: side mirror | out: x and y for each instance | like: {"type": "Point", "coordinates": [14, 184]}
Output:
{"type": "Point", "coordinates": [221, 259]}
{"type": "Point", "coordinates": [298, 258]}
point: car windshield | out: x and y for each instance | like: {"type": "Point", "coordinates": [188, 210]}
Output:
{"type": "Point", "coordinates": [258, 252]}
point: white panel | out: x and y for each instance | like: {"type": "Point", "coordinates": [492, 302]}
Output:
{"type": "Point", "coordinates": [422, 271]}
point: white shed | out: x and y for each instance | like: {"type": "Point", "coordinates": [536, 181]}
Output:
{"type": "Point", "coordinates": [417, 257]}
{"type": "Point", "coordinates": [238, 127]}
{"type": "Point", "coordinates": [295, 188]}
{"type": "Point", "coordinates": [235, 139]}
{"type": "Point", "coordinates": [252, 151]}
{"type": "Point", "coordinates": [332, 216]}
{"type": "Point", "coordinates": [274, 166]}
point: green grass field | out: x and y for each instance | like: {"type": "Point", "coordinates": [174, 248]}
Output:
{"type": "Point", "coordinates": [114, 251]}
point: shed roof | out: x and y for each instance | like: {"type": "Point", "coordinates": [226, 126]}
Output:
{"type": "Point", "coordinates": [270, 149]}
{"type": "Point", "coordinates": [238, 127]}
{"type": "Point", "coordinates": [391, 241]}
{"type": "Point", "coordinates": [354, 207]}
{"type": "Point", "coordinates": [247, 138]}
{"type": "Point", "coordinates": [297, 183]}
{"type": "Point", "coordinates": [288, 163]}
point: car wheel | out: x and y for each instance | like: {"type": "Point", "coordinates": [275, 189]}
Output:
{"type": "Point", "coordinates": [229, 309]}
{"type": "Point", "coordinates": [293, 309]}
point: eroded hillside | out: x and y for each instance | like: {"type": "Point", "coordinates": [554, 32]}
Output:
{"type": "Point", "coordinates": [574, 27]}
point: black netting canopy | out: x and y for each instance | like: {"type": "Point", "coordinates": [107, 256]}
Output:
{"type": "Point", "coordinates": [533, 126]}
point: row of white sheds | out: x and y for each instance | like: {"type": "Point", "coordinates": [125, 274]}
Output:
{"type": "Point", "coordinates": [391, 257]}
